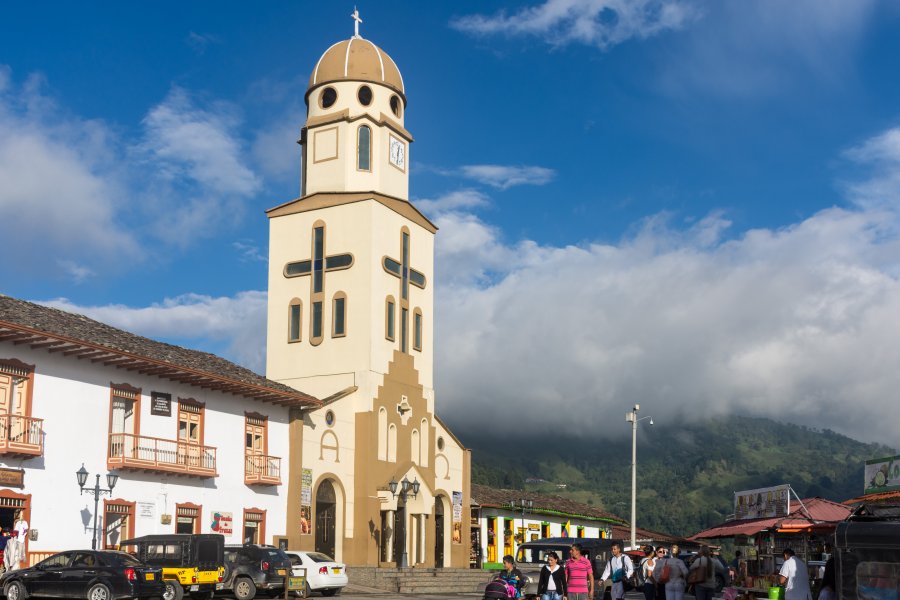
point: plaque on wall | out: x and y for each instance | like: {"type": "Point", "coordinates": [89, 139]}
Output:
{"type": "Point", "coordinates": [161, 404]}
{"type": "Point", "coordinates": [12, 478]}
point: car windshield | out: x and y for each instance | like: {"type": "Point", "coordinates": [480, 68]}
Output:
{"type": "Point", "coordinates": [319, 557]}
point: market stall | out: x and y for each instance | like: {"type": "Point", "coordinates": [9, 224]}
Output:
{"type": "Point", "coordinates": [762, 529]}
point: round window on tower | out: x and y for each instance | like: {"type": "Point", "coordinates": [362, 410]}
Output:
{"type": "Point", "coordinates": [328, 97]}
{"type": "Point", "coordinates": [440, 443]}
{"type": "Point", "coordinates": [365, 95]}
{"type": "Point", "coordinates": [396, 105]}
{"type": "Point", "coordinates": [329, 418]}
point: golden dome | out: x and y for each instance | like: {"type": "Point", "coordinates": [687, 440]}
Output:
{"type": "Point", "coordinates": [357, 59]}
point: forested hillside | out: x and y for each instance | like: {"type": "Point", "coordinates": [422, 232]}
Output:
{"type": "Point", "coordinates": [686, 473]}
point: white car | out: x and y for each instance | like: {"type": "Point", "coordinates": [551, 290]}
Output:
{"type": "Point", "coordinates": [323, 574]}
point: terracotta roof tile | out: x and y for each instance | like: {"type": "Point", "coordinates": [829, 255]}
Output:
{"type": "Point", "coordinates": [543, 503]}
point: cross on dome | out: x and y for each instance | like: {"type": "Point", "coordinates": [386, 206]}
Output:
{"type": "Point", "coordinates": [355, 16]}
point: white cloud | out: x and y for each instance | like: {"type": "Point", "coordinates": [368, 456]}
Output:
{"type": "Point", "coordinates": [238, 321]}
{"type": "Point", "coordinates": [451, 201]}
{"type": "Point", "coordinates": [199, 42]}
{"type": "Point", "coordinates": [600, 23]}
{"type": "Point", "coordinates": [505, 176]}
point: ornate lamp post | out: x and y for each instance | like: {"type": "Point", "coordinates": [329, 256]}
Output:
{"type": "Point", "coordinates": [631, 417]}
{"type": "Point", "coordinates": [407, 488]}
{"type": "Point", "coordinates": [111, 479]}
{"type": "Point", "coordinates": [523, 505]}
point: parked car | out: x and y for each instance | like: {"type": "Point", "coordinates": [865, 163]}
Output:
{"type": "Point", "coordinates": [323, 574]}
{"type": "Point", "coordinates": [532, 556]}
{"type": "Point", "coordinates": [254, 567]}
{"type": "Point", "coordinates": [191, 564]}
{"type": "Point", "coordinates": [91, 574]}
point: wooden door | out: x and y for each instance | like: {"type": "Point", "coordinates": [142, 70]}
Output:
{"type": "Point", "coordinates": [13, 406]}
{"type": "Point", "coordinates": [255, 448]}
{"type": "Point", "coordinates": [190, 436]}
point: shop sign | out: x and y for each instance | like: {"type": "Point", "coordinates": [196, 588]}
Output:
{"type": "Point", "coordinates": [160, 404]}
{"type": "Point", "coordinates": [534, 527]}
{"type": "Point", "coordinates": [763, 503]}
{"type": "Point", "coordinates": [882, 475]}
{"type": "Point", "coordinates": [12, 478]}
{"type": "Point", "coordinates": [222, 523]}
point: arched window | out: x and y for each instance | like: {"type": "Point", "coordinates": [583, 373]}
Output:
{"type": "Point", "coordinates": [364, 148]}
{"type": "Point", "coordinates": [417, 329]}
{"type": "Point", "coordinates": [415, 449]}
{"type": "Point", "coordinates": [295, 317]}
{"type": "Point", "coordinates": [392, 443]}
{"type": "Point", "coordinates": [339, 315]}
{"type": "Point", "coordinates": [382, 434]}
{"type": "Point", "coordinates": [424, 443]}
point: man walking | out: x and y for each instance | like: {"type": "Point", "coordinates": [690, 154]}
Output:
{"type": "Point", "coordinates": [579, 575]}
{"type": "Point", "coordinates": [618, 569]}
{"type": "Point", "coordinates": [794, 577]}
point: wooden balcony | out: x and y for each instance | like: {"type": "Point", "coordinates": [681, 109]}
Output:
{"type": "Point", "coordinates": [21, 436]}
{"type": "Point", "coordinates": [260, 469]}
{"type": "Point", "coordinates": [142, 453]}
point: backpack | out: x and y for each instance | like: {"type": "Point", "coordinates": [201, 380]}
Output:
{"type": "Point", "coordinates": [666, 573]}
{"type": "Point", "coordinates": [497, 590]}
{"type": "Point", "coordinates": [639, 576]}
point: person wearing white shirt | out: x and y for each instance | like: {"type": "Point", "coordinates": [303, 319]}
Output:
{"type": "Point", "coordinates": [619, 568]}
{"type": "Point", "coordinates": [794, 577]}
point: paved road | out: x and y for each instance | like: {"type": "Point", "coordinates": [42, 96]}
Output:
{"type": "Point", "coordinates": [356, 593]}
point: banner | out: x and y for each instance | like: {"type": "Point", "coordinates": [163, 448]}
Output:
{"type": "Point", "coordinates": [882, 475]}
{"type": "Point", "coordinates": [222, 523]}
{"type": "Point", "coordinates": [305, 501]}
{"type": "Point", "coordinates": [457, 517]}
{"type": "Point", "coordinates": [763, 503]}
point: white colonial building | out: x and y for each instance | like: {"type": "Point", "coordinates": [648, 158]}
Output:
{"type": "Point", "coordinates": [199, 444]}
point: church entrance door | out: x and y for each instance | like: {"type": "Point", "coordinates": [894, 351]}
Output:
{"type": "Point", "coordinates": [326, 512]}
{"type": "Point", "coordinates": [438, 533]}
{"type": "Point", "coordinates": [399, 532]}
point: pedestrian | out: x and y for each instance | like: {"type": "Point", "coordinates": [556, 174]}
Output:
{"type": "Point", "coordinates": [579, 575]}
{"type": "Point", "coordinates": [618, 569]}
{"type": "Point", "coordinates": [828, 590]}
{"type": "Point", "coordinates": [552, 582]}
{"type": "Point", "coordinates": [794, 577]}
{"type": "Point", "coordinates": [511, 575]}
{"type": "Point", "coordinates": [646, 570]}
{"type": "Point", "coordinates": [660, 586]}
{"type": "Point", "coordinates": [677, 571]}
{"type": "Point", "coordinates": [735, 566]}
{"type": "Point", "coordinates": [705, 568]}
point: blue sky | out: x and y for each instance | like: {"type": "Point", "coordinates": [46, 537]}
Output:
{"type": "Point", "coordinates": [685, 203]}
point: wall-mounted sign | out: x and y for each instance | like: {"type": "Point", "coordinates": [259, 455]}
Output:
{"type": "Point", "coordinates": [456, 535]}
{"type": "Point", "coordinates": [146, 510]}
{"type": "Point", "coordinates": [12, 478]}
{"type": "Point", "coordinates": [161, 404]}
{"type": "Point", "coordinates": [882, 474]}
{"type": "Point", "coordinates": [534, 527]}
{"type": "Point", "coordinates": [763, 503]}
{"type": "Point", "coordinates": [222, 523]}
{"type": "Point", "coordinates": [305, 501]}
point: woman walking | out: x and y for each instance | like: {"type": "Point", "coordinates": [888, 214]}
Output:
{"type": "Point", "coordinates": [647, 564]}
{"type": "Point", "coordinates": [552, 582]}
{"type": "Point", "coordinates": [671, 572]}
{"type": "Point", "coordinates": [703, 574]}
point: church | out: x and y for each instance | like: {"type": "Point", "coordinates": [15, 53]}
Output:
{"type": "Point", "coordinates": [338, 449]}
{"type": "Point", "coordinates": [376, 474]}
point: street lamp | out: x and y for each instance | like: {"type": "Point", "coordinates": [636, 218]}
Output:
{"type": "Point", "coordinates": [111, 479]}
{"type": "Point", "coordinates": [524, 505]}
{"type": "Point", "coordinates": [631, 417]}
{"type": "Point", "coordinates": [407, 488]}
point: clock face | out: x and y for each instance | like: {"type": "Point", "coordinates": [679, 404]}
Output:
{"type": "Point", "coordinates": [398, 153]}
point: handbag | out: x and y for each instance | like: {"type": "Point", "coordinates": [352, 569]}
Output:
{"type": "Point", "coordinates": [698, 575]}
{"type": "Point", "coordinates": [666, 573]}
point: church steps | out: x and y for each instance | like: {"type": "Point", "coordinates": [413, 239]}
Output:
{"type": "Point", "coordinates": [419, 580]}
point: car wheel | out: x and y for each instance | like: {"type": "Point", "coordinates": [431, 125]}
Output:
{"type": "Point", "coordinates": [173, 591]}
{"type": "Point", "coordinates": [330, 592]}
{"type": "Point", "coordinates": [98, 591]}
{"type": "Point", "coordinates": [16, 591]}
{"type": "Point", "coordinates": [244, 589]}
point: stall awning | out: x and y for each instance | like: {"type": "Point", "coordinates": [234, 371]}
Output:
{"type": "Point", "coordinates": [819, 514]}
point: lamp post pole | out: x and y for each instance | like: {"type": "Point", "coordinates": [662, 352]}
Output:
{"type": "Point", "coordinates": [407, 487]}
{"type": "Point", "coordinates": [111, 479]}
{"type": "Point", "coordinates": [632, 418]}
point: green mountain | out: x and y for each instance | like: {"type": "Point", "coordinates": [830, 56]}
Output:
{"type": "Point", "coordinates": [687, 473]}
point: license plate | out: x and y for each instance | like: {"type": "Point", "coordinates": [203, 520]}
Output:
{"type": "Point", "coordinates": [282, 572]}
{"type": "Point", "coordinates": [194, 588]}
{"type": "Point", "coordinates": [336, 571]}
{"type": "Point", "coordinates": [149, 576]}
{"type": "Point", "coordinates": [220, 586]}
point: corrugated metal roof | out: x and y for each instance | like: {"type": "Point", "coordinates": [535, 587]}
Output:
{"type": "Point", "coordinates": [821, 513]}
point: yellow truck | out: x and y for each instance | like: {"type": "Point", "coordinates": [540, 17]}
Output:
{"type": "Point", "coordinates": [192, 564]}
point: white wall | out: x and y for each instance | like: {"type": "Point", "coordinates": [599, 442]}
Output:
{"type": "Point", "coordinates": [73, 398]}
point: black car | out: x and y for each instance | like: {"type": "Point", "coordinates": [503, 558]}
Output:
{"type": "Point", "coordinates": [253, 567]}
{"type": "Point", "coordinates": [91, 574]}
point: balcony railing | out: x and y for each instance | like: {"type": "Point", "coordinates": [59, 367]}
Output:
{"type": "Point", "coordinates": [262, 470]}
{"type": "Point", "coordinates": [22, 436]}
{"type": "Point", "coordinates": [127, 451]}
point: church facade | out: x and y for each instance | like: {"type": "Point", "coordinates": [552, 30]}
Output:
{"type": "Point", "coordinates": [376, 477]}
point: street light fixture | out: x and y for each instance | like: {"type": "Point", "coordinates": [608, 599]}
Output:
{"type": "Point", "coordinates": [631, 417]}
{"type": "Point", "coordinates": [407, 488]}
{"type": "Point", "coordinates": [522, 505]}
{"type": "Point", "coordinates": [111, 480]}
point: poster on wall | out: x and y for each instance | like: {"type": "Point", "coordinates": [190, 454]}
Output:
{"type": "Point", "coordinates": [882, 475]}
{"type": "Point", "coordinates": [222, 523]}
{"type": "Point", "coordinates": [763, 503]}
{"type": "Point", "coordinates": [306, 501]}
{"type": "Point", "coordinates": [457, 517]}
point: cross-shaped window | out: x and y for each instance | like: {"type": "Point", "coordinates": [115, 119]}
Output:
{"type": "Point", "coordinates": [317, 266]}
{"type": "Point", "coordinates": [407, 275]}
